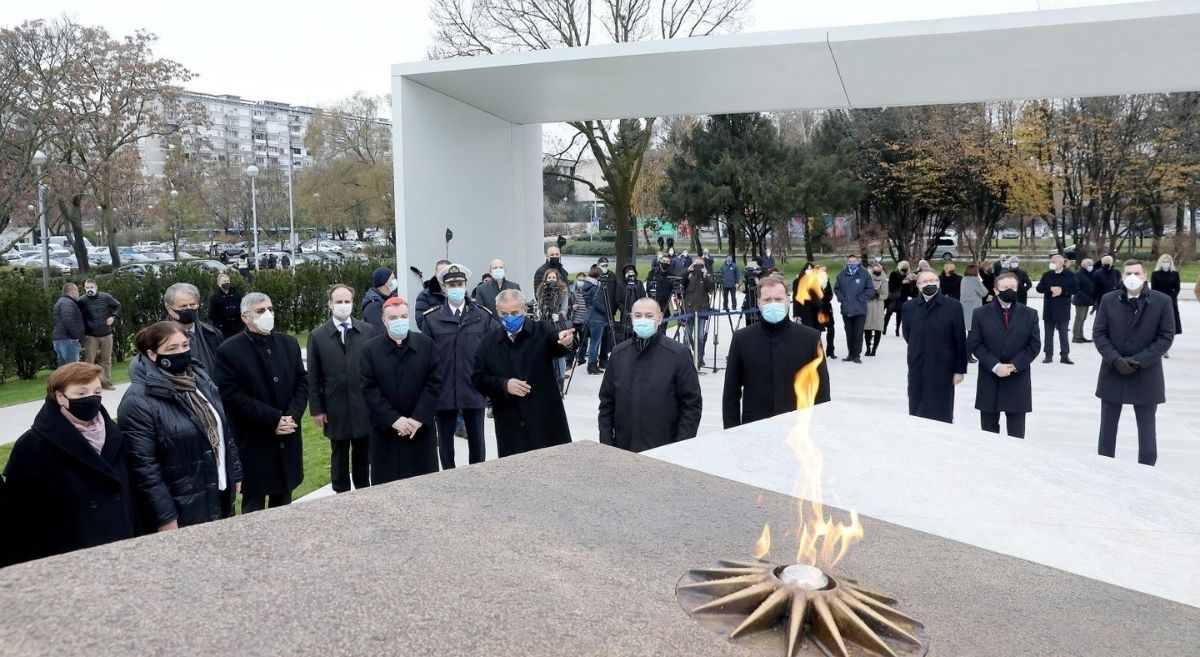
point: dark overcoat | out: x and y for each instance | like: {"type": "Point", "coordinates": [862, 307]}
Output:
{"type": "Point", "coordinates": [993, 344]}
{"type": "Point", "coordinates": [60, 495]}
{"type": "Point", "coordinates": [813, 313]}
{"type": "Point", "coordinates": [1142, 330]}
{"type": "Point", "coordinates": [1057, 310]}
{"type": "Point", "coordinates": [649, 397]}
{"type": "Point", "coordinates": [1084, 285]}
{"type": "Point", "coordinates": [1167, 282]}
{"type": "Point", "coordinates": [538, 419]}
{"type": "Point", "coordinates": [487, 291]}
{"type": "Point", "coordinates": [334, 382]}
{"type": "Point", "coordinates": [937, 350]}
{"type": "Point", "coordinates": [1104, 281]}
{"type": "Point", "coordinates": [1024, 283]}
{"type": "Point", "coordinates": [225, 311]}
{"type": "Point", "coordinates": [401, 380]}
{"type": "Point", "coordinates": [951, 285]}
{"type": "Point", "coordinates": [170, 459]}
{"type": "Point", "coordinates": [760, 374]}
{"type": "Point", "coordinates": [457, 340]}
{"type": "Point", "coordinates": [261, 379]}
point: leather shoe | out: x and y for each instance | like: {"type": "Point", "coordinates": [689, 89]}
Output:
{"type": "Point", "coordinates": [857, 360]}
{"type": "Point", "coordinates": [1066, 361]}
{"type": "Point", "coordinates": [1076, 340]}
{"type": "Point", "coordinates": [1086, 341]}
{"type": "Point", "coordinates": [1048, 359]}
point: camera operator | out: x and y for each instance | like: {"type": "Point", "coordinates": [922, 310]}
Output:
{"type": "Point", "coordinates": [750, 278]}
{"type": "Point", "coordinates": [553, 308]}
{"type": "Point", "coordinates": [697, 297]}
{"type": "Point", "coordinates": [579, 316]}
{"type": "Point", "coordinates": [608, 287]}
{"type": "Point", "coordinates": [631, 290]}
{"type": "Point", "coordinates": [658, 287]}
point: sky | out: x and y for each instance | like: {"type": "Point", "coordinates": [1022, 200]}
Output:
{"type": "Point", "coordinates": [310, 52]}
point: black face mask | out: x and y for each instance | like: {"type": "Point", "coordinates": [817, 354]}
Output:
{"type": "Point", "coordinates": [85, 408]}
{"type": "Point", "coordinates": [630, 276]}
{"type": "Point", "coordinates": [1108, 266]}
{"type": "Point", "coordinates": [664, 265]}
{"type": "Point", "coordinates": [225, 286]}
{"type": "Point", "coordinates": [175, 363]}
{"type": "Point", "coordinates": [1007, 296]}
{"type": "Point", "coordinates": [553, 260]}
{"type": "Point", "coordinates": [929, 290]}
{"type": "Point", "coordinates": [186, 316]}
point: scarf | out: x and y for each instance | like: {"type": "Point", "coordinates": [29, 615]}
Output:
{"type": "Point", "coordinates": [877, 280]}
{"type": "Point", "coordinates": [200, 408]}
{"type": "Point", "coordinates": [94, 432]}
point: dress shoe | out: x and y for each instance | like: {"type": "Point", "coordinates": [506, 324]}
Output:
{"type": "Point", "coordinates": [832, 356]}
{"type": "Point", "coordinates": [1086, 341]}
{"type": "Point", "coordinates": [1066, 361]}
{"type": "Point", "coordinates": [972, 359]}
{"type": "Point", "coordinates": [856, 360]}
{"type": "Point", "coordinates": [1076, 340]}
{"type": "Point", "coordinates": [1048, 359]}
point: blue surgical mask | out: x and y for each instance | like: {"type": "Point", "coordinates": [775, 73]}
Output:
{"type": "Point", "coordinates": [644, 328]}
{"type": "Point", "coordinates": [853, 267]}
{"type": "Point", "coordinates": [398, 328]}
{"type": "Point", "coordinates": [774, 312]}
{"type": "Point", "coordinates": [498, 273]}
{"type": "Point", "coordinates": [456, 294]}
{"type": "Point", "coordinates": [393, 285]}
{"type": "Point", "coordinates": [513, 323]}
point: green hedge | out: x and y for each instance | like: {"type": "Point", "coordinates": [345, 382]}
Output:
{"type": "Point", "coordinates": [26, 320]}
{"type": "Point", "coordinates": [600, 248]}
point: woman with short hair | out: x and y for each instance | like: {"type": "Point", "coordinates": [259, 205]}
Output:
{"type": "Point", "coordinates": [182, 454]}
{"type": "Point", "coordinates": [66, 485]}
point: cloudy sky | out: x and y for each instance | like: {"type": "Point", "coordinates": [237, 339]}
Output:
{"type": "Point", "coordinates": [313, 52]}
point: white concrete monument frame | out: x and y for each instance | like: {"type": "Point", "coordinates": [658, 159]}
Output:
{"type": "Point", "coordinates": [467, 133]}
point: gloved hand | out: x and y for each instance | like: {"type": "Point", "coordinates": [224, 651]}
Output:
{"type": "Point", "coordinates": [1124, 366]}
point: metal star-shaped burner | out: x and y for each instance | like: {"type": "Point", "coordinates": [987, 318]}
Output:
{"type": "Point", "coordinates": [839, 617]}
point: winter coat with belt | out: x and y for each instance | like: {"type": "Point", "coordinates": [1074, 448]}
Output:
{"type": "Point", "coordinates": [401, 380]}
{"type": "Point", "coordinates": [261, 379]}
{"type": "Point", "coordinates": [538, 419]}
{"type": "Point", "coordinates": [96, 311]}
{"type": "Point", "coordinates": [764, 359]}
{"type": "Point", "coordinates": [1142, 330]}
{"type": "Point", "coordinates": [334, 382]}
{"type": "Point", "coordinates": [1084, 288]}
{"type": "Point", "coordinates": [971, 297]}
{"type": "Point", "coordinates": [875, 306]}
{"type": "Point", "coordinates": [225, 311]}
{"type": "Point", "coordinates": [457, 340]}
{"type": "Point", "coordinates": [853, 291]}
{"type": "Point", "coordinates": [60, 495]}
{"type": "Point", "coordinates": [937, 350]}
{"type": "Point", "coordinates": [1017, 344]}
{"type": "Point", "coordinates": [1167, 282]}
{"type": "Point", "coordinates": [1057, 309]}
{"type": "Point", "coordinates": [68, 320]}
{"type": "Point", "coordinates": [170, 457]}
{"type": "Point", "coordinates": [650, 395]}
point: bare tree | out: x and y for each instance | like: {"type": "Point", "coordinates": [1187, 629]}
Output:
{"type": "Point", "coordinates": [464, 28]}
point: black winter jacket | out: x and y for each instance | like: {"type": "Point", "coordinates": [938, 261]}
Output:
{"type": "Point", "coordinates": [68, 320]}
{"type": "Point", "coordinates": [649, 397]}
{"type": "Point", "coordinates": [225, 311]}
{"type": "Point", "coordinates": [170, 459]}
{"type": "Point", "coordinates": [97, 310]}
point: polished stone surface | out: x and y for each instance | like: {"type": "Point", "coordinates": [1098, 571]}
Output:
{"type": "Point", "coordinates": [1112, 520]}
{"type": "Point", "coordinates": [569, 551]}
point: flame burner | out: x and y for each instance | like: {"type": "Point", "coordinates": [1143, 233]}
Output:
{"type": "Point", "coordinates": [836, 616]}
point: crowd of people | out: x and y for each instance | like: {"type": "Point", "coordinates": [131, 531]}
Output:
{"type": "Point", "coordinates": [214, 410]}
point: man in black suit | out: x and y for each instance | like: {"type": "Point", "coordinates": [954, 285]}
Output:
{"type": "Point", "coordinates": [335, 390]}
{"type": "Point", "coordinates": [1057, 285]}
{"type": "Point", "coordinates": [1105, 279]}
{"type": "Point", "coordinates": [1004, 337]}
{"type": "Point", "coordinates": [265, 390]}
{"type": "Point", "coordinates": [1134, 328]}
{"type": "Point", "coordinates": [936, 334]}
{"type": "Point", "coordinates": [764, 359]}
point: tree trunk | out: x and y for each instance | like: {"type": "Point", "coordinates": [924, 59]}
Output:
{"type": "Point", "coordinates": [110, 229]}
{"type": "Point", "coordinates": [623, 216]}
{"type": "Point", "coordinates": [74, 217]}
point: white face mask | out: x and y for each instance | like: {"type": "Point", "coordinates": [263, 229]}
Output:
{"type": "Point", "coordinates": [1133, 282]}
{"type": "Point", "coordinates": [498, 273]}
{"type": "Point", "coordinates": [265, 322]}
{"type": "Point", "coordinates": [1164, 266]}
{"type": "Point", "coordinates": [341, 310]}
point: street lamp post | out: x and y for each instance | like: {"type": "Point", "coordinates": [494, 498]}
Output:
{"type": "Point", "coordinates": [291, 209]}
{"type": "Point", "coordinates": [252, 173]}
{"type": "Point", "coordinates": [39, 159]}
{"type": "Point", "coordinates": [175, 223]}
{"type": "Point", "coordinates": [317, 200]}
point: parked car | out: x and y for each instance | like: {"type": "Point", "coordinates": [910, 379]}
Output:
{"type": "Point", "coordinates": [947, 248]}
{"type": "Point", "coordinates": [1009, 234]}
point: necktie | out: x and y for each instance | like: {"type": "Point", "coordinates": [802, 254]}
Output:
{"type": "Point", "coordinates": [457, 313]}
{"type": "Point", "coordinates": [344, 328]}
{"type": "Point", "coordinates": [1005, 317]}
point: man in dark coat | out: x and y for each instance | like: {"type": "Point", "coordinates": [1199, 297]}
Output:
{"type": "Point", "coordinates": [431, 294]}
{"type": "Point", "coordinates": [1004, 337]}
{"type": "Point", "coordinates": [401, 377]}
{"type": "Point", "coordinates": [607, 281]}
{"type": "Point", "coordinates": [182, 302]}
{"type": "Point", "coordinates": [937, 349]}
{"type": "Point", "coordinates": [487, 291]}
{"type": "Point", "coordinates": [1083, 299]}
{"type": "Point", "coordinates": [60, 493]}
{"type": "Point", "coordinates": [335, 396]}
{"type": "Point", "coordinates": [1105, 279]}
{"type": "Point", "coordinates": [1057, 287]}
{"type": "Point", "coordinates": [265, 390]}
{"type": "Point", "coordinates": [553, 261]}
{"type": "Point", "coordinates": [658, 285]}
{"type": "Point", "coordinates": [630, 290]}
{"type": "Point", "coordinates": [225, 307]}
{"type": "Point", "coordinates": [515, 368]}
{"type": "Point", "coordinates": [383, 287]}
{"type": "Point", "coordinates": [729, 283]}
{"type": "Point", "coordinates": [1024, 283]}
{"type": "Point", "coordinates": [854, 289]}
{"type": "Point", "coordinates": [950, 282]}
{"type": "Point", "coordinates": [650, 395]}
{"type": "Point", "coordinates": [1133, 329]}
{"type": "Point", "coordinates": [698, 287]}
{"type": "Point", "coordinates": [457, 327]}
{"type": "Point", "coordinates": [68, 326]}
{"type": "Point", "coordinates": [765, 358]}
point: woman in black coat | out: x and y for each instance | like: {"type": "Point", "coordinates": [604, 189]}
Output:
{"type": "Point", "coordinates": [66, 484]}
{"type": "Point", "coordinates": [1165, 279]}
{"type": "Point", "coordinates": [401, 380]}
{"type": "Point", "coordinates": [816, 313]}
{"type": "Point", "coordinates": [182, 454]}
